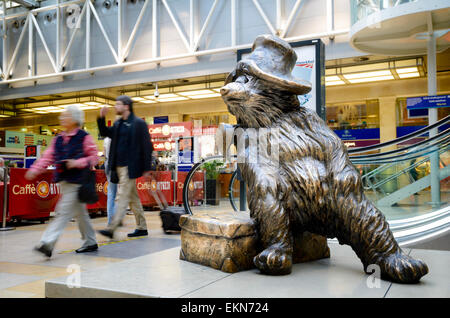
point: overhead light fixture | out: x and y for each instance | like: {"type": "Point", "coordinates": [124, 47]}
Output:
{"type": "Point", "coordinates": [373, 72]}
{"type": "Point", "coordinates": [198, 92]}
{"type": "Point", "coordinates": [138, 99]}
{"type": "Point", "coordinates": [4, 116]}
{"type": "Point", "coordinates": [164, 96]}
{"type": "Point", "coordinates": [205, 96]}
{"type": "Point", "coordinates": [371, 79]}
{"type": "Point", "coordinates": [148, 101]}
{"type": "Point", "coordinates": [172, 99]}
{"type": "Point", "coordinates": [409, 75]}
{"type": "Point", "coordinates": [92, 103]}
{"type": "Point", "coordinates": [364, 75]}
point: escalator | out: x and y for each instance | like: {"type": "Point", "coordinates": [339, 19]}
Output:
{"type": "Point", "coordinates": [396, 176]}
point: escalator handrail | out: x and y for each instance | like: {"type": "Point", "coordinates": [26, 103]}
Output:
{"type": "Point", "coordinates": [441, 134]}
{"type": "Point", "coordinates": [400, 139]}
{"type": "Point", "coordinates": [394, 161]}
{"type": "Point", "coordinates": [400, 157]}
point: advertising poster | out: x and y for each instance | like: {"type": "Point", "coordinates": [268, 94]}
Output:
{"type": "Point", "coordinates": [14, 139]}
{"type": "Point", "coordinates": [305, 69]}
{"type": "Point", "coordinates": [43, 141]}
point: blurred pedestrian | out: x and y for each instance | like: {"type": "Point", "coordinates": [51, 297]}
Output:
{"type": "Point", "coordinates": [2, 171]}
{"type": "Point", "coordinates": [112, 187]}
{"type": "Point", "coordinates": [130, 157]}
{"type": "Point", "coordinates": [72, 152]}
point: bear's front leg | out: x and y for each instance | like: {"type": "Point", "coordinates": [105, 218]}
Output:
{"type": "Point", "coordinates": [275, 235]}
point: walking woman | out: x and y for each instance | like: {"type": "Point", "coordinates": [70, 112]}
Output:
{"type": "Point", "coordinates": [71, 152]}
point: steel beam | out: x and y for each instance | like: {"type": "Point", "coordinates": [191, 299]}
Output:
{"type": "Point", "coordinates": [27, 3]}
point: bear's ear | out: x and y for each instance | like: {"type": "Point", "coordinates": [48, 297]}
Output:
{"type": "Point", "coordinates": [230, 78]}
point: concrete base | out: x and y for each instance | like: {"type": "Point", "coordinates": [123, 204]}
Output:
{"type": "Point", "coordinates": [163, 274]}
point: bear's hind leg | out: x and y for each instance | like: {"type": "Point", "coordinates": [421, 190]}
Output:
{"type": "Point", "coordinates": [275, 236]}
{"type": "Point", "coordinates": [366, 230]}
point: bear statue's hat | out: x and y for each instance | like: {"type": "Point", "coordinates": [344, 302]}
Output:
{"type": "Point", "coordinates": [273, 59]}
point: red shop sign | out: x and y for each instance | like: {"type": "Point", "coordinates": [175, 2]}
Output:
{"type": "Point", "coordinates": [159, 181]}
{"type": "Point", "coordinates": [34, 199]}
{"type": "Point", "coordinates": [170, 130]}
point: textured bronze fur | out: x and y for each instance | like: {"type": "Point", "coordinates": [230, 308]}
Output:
{"type": "Point", "coordinates": [315, 188]}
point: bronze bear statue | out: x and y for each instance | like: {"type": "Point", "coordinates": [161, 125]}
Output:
{"type": "Point", "coordinates": [314, 187]}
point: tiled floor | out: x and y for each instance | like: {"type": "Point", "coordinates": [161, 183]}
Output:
{"type": "Point", "coordinates": [23, 272]}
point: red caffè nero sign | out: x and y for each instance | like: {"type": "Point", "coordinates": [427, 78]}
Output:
{"type": "Point", "coordinates": [32, 196]}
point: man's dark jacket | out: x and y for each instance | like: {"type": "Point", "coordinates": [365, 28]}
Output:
{"type": "Point", "coordinates": [140, 145]}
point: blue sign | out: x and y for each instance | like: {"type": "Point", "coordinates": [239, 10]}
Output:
{"type": "Point", "coordinates": [357, 134]}
{"type": "Point", "coordinates": [428, 102]}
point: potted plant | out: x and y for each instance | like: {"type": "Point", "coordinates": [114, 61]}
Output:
{"type": "Point", "coordinates": [212, 184]}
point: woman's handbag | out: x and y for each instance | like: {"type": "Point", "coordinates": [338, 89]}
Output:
{"type": "Point", "coordinates": [87, 193]}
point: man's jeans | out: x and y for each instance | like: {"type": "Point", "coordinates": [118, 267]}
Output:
{"type": "Point", "coordinates": [111, 206]}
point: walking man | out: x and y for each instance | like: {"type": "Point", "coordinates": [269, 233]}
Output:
{"type": "Point", "coordinates": [129, 158]}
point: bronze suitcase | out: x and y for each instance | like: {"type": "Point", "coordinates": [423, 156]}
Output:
{"type": "Point", "coordinates": [228, 241]}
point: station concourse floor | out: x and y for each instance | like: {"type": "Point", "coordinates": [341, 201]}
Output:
{"type": "Point", "coordinates": [150, 267]}
{"type": "Point", "coordinates": [23, 272]}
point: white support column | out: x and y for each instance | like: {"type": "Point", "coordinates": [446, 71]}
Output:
{"type": "Point", "coordinates": [30, 47]}
{"type": "Point", "coordinates": [58, 36]}
{"type": "Point", "coordinates": [155, 48]}
{"type": "Point", "coordinates": [432, 118]}
{"type": "Point", "coordinates": [330, 15]}
{"type": "Point", "coordinates": [119, 29]}
{"type": "Point", "coordinates": [88, 34]}
{"type": "Point", "coordinates": [191, 25]}
{"type": "Point", "coordinates": [278, 25]}
{"type": "Point", "coordinates": [4, 40]}
{"type": "Point", "coordinates": [233, 23]}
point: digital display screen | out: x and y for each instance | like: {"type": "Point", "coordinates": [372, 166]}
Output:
{"type": "Point", "coordinates": [31, 151]}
